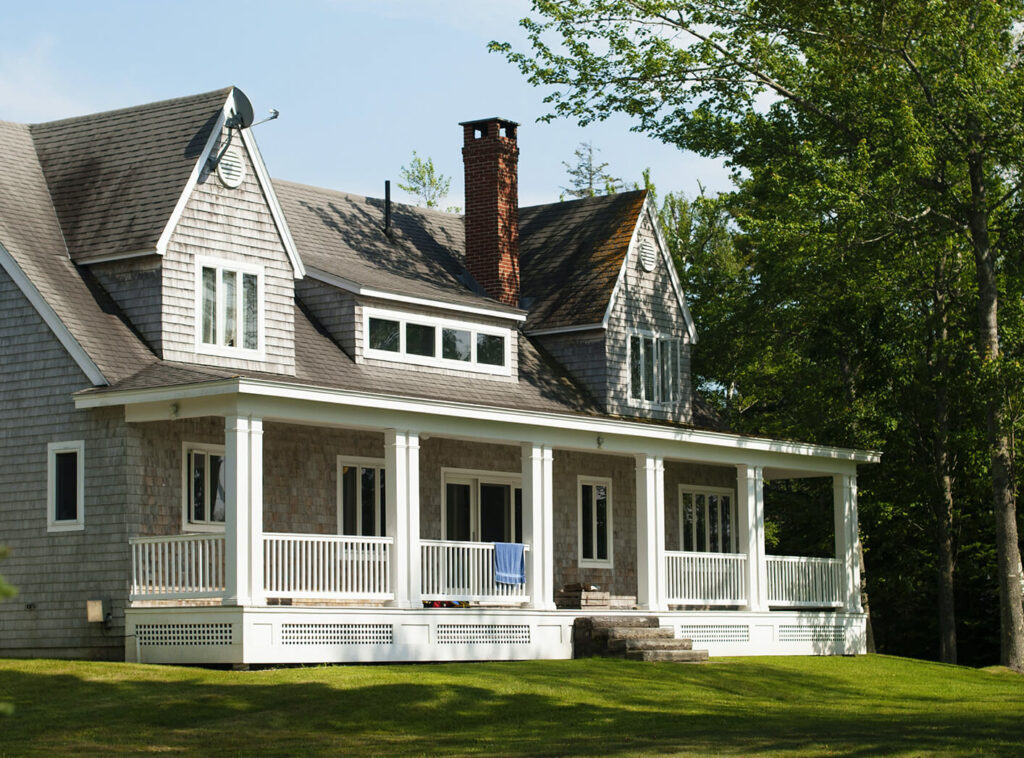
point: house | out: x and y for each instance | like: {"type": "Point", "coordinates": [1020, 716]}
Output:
{"type": "Point", "coordinates": [251, 421]}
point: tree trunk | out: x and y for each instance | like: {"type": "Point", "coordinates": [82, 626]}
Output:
{"type": "Point", "coordinates": [1008, 565]}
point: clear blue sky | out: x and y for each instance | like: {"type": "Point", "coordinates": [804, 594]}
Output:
{"type": "Point", "coordinates": [360, 83]}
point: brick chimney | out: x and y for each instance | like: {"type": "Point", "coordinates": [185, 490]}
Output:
{"type": "Point", "coordinates": [490, 156]}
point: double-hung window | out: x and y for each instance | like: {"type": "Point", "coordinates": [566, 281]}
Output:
{"type": "Point", "coordinates": [229, 308]}
{"type": "Point", "coordinates": [654, 375]}
{"type": "Point", "coordinates": [65, 486]}
{"type": "Point", "coordinates": [707, 519]}
{"type": "Point", "coordinates": [594, 500]}
{"type": "Point", "coordinates": [362, 509]}
{"type": "Point", "coordinates": [204, 487]}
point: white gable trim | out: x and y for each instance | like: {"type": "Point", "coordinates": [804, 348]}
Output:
{"type": "Point", "coordinates": [298, 270]}
{"type": "Point", "coordinates": [60, 331]}
{"type": "Point", "coordinates": [652, 214]}
{"type": "Point", "coordinates": [354, 287]}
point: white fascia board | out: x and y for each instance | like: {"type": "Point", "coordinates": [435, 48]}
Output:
{"type": "Point", "coordinates": [193, 179]}
{"type": "Point", "coordinates": [116, 257]}
{"type": "Point", "coordinates": [566, 329]}
{"type": "Point", "coordinates": [261, 395]}
{"type": "Point", "coordinates": [298, 269]}
{"type": "Point", "coordinates": [354, 287]}
{"type": "Point", "coordinates": [43, 308]}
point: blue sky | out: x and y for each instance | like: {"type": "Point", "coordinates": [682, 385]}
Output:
{"type": "Point", "coordinates": [360, 83]}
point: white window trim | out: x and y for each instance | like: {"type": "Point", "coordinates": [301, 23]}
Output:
{"type": "Point", "coordinates": [696, 489]}
{"type": "Point", "coordinates": [67, 525]}
{"type": "Point", "coordinates": [238, 267]}
{"type": "Point", "coordinates": [474, 478]}
{"type": "Point", "coordinates": [358, 462]}
{"type": "Point", "coordinates": [436, 360]}
{"type": "Point", "coordinates": [594, 562]}
{"type": "Point", "coordinates": [187, 525]}
{"type": "Point", "coordinates": [641, 402]}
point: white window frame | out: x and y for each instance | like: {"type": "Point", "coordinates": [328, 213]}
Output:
{"type": "Point", "coordinates": [187, 524]}
{"type": "Point", "coordinates": [359, 463]}
{"type": "Point", "coordinates": [436, 360]}
{"type": "Point", "coordinates": [64, 525]}
{"type": "Point", "coordinates": [475, 478]}
{"type": "Point", "coordinates": [594, 481]}
{"type": "Point", "coordinates": [697, 489]}
{"type": "Point", "coordinates": [239, 267]}
{"type": "Point", "coordinates": [659, 381]}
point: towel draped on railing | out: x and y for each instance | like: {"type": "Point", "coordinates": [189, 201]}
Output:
{"type": "Point", "coordinates": [509, 563]}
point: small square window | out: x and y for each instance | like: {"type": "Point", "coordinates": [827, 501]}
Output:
{"type": "Point", "coordinates": [490, 349]}
{"type": "Point", "coordinates": [456, 345]}
{"type": "Point", "coordinates": [384, 335]}
{"type": "Point", "coordinates": [65, 486]}
{"type": "Point", "coordinates": [420, 339]}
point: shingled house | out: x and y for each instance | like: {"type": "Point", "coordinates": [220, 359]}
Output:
{"type": "Point", "coordinates": [252, 421]}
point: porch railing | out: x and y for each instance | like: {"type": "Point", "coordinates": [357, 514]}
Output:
{"type": "Point", "coordinates": [464, 571]}
{"type": "Point", "coordinates": [314, 566]}
{"type": "Point", "coordinates": [706, 578]}
{"type": "Point", "coordinates": [178, 566]}
{"type": "Point", "coordinates": [804, 582]}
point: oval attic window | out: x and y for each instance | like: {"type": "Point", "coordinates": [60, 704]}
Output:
{"type": "Point", "coordinates": [648, 255]}
{"type": "Point", "coordinates": [231, 168]}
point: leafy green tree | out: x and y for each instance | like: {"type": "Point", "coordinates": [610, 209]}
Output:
{"type": "Point", "coordinates": [588, 177]}
{"type": "Point", "coordinates": [421, 179]}
{"type": "Point", "coordinates": [898, 125]}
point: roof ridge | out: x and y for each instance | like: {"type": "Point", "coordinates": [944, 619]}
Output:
{"type": "Point", "coordinates": [170, 102]}
{"type": "Point", "coordinates": [581, 200]}
{"type": "Point", "coordinates": [356, 195]}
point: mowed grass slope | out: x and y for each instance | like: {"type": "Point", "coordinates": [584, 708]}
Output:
{"type": "Point", "coordinates": [792, 706]}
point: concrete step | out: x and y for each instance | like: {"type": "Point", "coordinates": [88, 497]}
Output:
{"type": "Point", "coordinates": [668, 656]}
{"type": "Point", "coordinates": [634, 633]}
{"type": "Point", "coordinates": [649, 644]}
{"type": "Point", "coordinates": [604, 622]}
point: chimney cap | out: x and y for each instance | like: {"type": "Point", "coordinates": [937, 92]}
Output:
{"type": "Point", "coordinates": [502, 121]}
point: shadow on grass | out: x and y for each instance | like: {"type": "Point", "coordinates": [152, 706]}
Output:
{"type": "Point", "coordinates": [553, 708]}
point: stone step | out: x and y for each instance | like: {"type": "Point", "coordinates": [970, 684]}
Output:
{"type": "Point", "coordinates": [668, 656]}
{"type": "Point", "coordinates": [634, 633]}
{"type": "Point", "coordinates": [606, 622]}
{"type": "Point", "coordinates": [649, 644]}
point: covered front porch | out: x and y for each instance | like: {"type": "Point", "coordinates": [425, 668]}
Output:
{"type": "Point", "coordinates": [428, 491]}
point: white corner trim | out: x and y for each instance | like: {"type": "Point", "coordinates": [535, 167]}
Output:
{"type": "Point", "coordinates": [566, 329]}
{"type": "Point", "coordinates": [298, 269]}
{"type": "Point", "coordinates": [60, 331]}
{"type": "Point", "coordinates": [357, 289]}
{"type": "Point", "coordinates": [193, 179]}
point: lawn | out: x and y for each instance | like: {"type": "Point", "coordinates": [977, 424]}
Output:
{"type": "Point", "coordinates": [790, 706]}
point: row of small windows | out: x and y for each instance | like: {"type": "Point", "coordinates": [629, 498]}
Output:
{"type": "Point", "coordinates": [431, 341]}
{"type": "Point", "coordinates": [654, 372]}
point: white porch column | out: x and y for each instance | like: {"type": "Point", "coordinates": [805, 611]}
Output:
{"type": "Point", "coordinates": [650, 533]}
{"type": "Point", "coordinates": [402, 472]}
{"type": "Point", "coordinates": [243, 517]}
{"type": "Point", "coordinates": [538, 524]}
{"type": "Point", "coordinates": [750, 515]}
{"type": "Point", "coordinates": [844, 498]}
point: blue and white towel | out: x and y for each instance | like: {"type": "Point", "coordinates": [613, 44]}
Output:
{"type": "Point", "coordinates": [509, 563]}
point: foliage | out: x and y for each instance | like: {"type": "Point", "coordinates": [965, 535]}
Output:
{"type": "Point", "coordinates": [587, 177]}
{"type": "Point", "coordinates": [421, 179]}
{"type": "Point", "coordinates": [878, 153]}
{"type": "Point", "coordinates": [870, 705]}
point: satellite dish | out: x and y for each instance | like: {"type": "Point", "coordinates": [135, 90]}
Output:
{"type": "Point", "coordinates": [242, 112]}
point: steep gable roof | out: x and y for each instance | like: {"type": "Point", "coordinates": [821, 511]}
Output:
{"type": "Point", "coordinates": [115, 177]}
{"type": "Point", "coordinates": [570, 255]}
{"type": "Point", "coordinates": [342, 235]}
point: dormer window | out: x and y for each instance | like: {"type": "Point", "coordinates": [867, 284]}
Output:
{"type": "Point", "coordinates": [430, 341]}
{"type": "Point", "coordinates": [229, 308]}
{"type": "Point", "coordinates": [654, 374]}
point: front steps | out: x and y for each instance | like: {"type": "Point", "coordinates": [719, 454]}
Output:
{"type": "Point", "coordinates": [636, 638]}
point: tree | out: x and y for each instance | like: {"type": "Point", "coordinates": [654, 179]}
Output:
{"type": "Point", "coordinates": [421, 179]}
{"type": "Point", "coordinates": [588, 178]}
{"type": "Point", "coordinates": [904, 118]}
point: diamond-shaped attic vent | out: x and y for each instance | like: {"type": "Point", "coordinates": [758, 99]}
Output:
{"type": "Point", "coordinates": [231, 168]}
{"type": "Point", "coordinates": [648, 255]}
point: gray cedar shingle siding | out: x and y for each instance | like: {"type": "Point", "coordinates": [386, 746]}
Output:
{"type": "Point", "coordinates": [55, 573]}
{"type": "Point", "coordinates": [583, 356]}
{"type": "Point", "coordinates": [135, 285]}
{"type": "Point", "coordinates": [230, 225]}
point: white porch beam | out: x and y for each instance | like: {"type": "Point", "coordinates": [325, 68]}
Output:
{"type": "Point", "coordinates": [538, 524]}
{"type": "Point", "coordinates": [750, 513]}
{"type": "Point", "coordinates": [243, 517]}
{"type": "Point", "coordinates": [844, 498]}
{"type": "Point", "coordinates": [650, 533]}
{"type": "Point", "coordinates": [402, 472]}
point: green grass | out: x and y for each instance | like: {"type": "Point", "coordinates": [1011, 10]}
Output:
{"type": "Point", "coordinates": [791, 706]}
